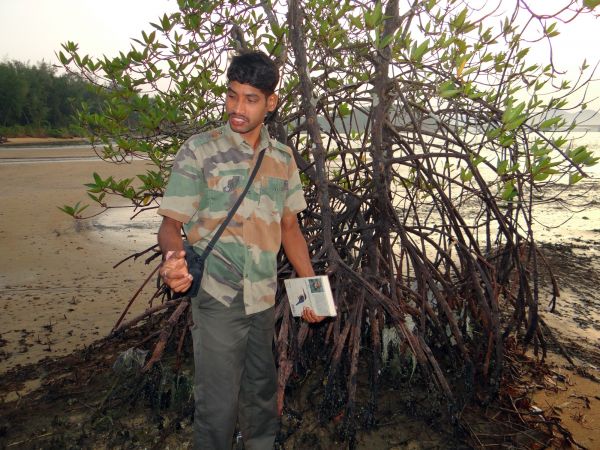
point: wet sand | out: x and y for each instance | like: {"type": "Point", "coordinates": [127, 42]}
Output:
{"type": "Point", "coordinates": [59, 292]}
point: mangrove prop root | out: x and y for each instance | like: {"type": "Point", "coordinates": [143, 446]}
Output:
{"type": "Point", "coordinates": [406, 214]}
{"type": "Point", "coordinates": [166, 333]}
{"type": "Point", "coordinates": [147, 313]}
{"type": "Point", "coordinates": [148, 278]}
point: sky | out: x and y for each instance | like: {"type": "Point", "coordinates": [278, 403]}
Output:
{"type": "Point", "coordinates": [33, 30]}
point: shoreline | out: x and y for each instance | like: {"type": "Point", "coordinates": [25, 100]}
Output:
{"type": "Point", "coordinates": [27, 141]}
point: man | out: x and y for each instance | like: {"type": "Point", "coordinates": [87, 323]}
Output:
{"type": "Point", "coordinates": [235, 376]}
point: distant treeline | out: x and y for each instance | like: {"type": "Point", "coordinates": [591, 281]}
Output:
{"type": "Point", "coordinates": [35, 101]}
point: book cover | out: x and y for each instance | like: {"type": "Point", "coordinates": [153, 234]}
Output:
{"type": "Point", "coordinates": [312, 292]}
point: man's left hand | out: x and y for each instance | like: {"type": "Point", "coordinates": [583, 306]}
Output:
{"type": "Point", "coordinates": [309, 315]}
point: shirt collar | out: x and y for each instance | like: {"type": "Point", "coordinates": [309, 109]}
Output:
{"type": "Point", "coordinates": [264, 140]}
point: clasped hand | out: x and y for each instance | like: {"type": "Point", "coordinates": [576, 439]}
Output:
{"type": "Point", "coordinates": [174, 271]}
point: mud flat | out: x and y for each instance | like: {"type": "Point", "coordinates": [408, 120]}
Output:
{"type": "Point", "coordinates": [58, 290]}
{"type": "Point", "coordinates": [59, 293]}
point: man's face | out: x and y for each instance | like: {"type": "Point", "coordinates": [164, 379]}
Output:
{"type": "Point", "coordinates": [247, 107]}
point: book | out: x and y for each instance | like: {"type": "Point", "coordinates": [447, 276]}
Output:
{"type": "Point", "coordinates": [312, 292]}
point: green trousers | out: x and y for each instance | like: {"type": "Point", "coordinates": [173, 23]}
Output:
{"type": "Point", "coordinates": [235, 377]}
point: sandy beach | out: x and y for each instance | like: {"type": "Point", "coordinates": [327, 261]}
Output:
{"type": "Point", "coordinates": [59, 291]}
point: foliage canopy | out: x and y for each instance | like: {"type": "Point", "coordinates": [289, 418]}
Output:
{"type": "Point", "coordinates": [34, 99]}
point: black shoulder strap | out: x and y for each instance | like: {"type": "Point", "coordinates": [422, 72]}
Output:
{"type": "Point", "coordinates": [237, 204]}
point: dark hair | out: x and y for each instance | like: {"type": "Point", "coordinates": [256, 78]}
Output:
{"type": "Point", "coordinates": [256, 69]}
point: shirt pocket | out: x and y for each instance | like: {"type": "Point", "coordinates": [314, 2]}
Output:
{"type": "Point", "coordinates": [222, 192]}
{"type": "Point", "coordinates": [272, 195]}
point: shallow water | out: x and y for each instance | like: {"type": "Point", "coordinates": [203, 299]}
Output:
{"type": "Point", "coordinates": [575, 215]}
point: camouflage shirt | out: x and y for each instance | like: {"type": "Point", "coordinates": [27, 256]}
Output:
{"type": "Point", "coordinates": [209, 173]}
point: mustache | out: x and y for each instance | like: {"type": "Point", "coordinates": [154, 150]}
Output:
{"type": "Point", "coordinates": [238, 116]}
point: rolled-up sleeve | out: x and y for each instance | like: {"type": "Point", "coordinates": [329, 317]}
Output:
{"type": "Point", "coordinates": [182, 196]}
{"type": "Point", "coordinates": [294, 201]}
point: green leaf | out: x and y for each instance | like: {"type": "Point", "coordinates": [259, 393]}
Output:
{"type": "Point", "coordinates": [575, 177]}
{"type": "Point", "coordinates": [73, 211]}
{"type": "Point", "coordinates": [511, 113]}
{"type": "Point", "coordinates": [551, 28]}
{"type": "Point", "coordinates": [356, 22]}
{"type": "Point", "coordinates": [166, 24]}
{"type": "Point", "coordinates": [502, 167]}
{"type": "Point", "coordinates": [459, 20]}
{"type": "Point", "coordinates": [67, 209]}
{"type": "Point", "coordinates": [385, 41]}
{"type": "Point", "coordinates": [417, 51]}
{"type": "Point", "coordinates": [487, 58]}
{"type": "Point", "coordinates": [522, 53]}
{"type": "Point", "coordinates": [539, 85]}
{"type": "Point", "coordinates": [494, 133]}
{"type": "Point", "coordinates": [579, 155]}
{"type": "Point", "coordinates": [63, 59]}
{"type": "Point", "coordinates": [592, 161]}
{"type": "Point", "coordinates": [333, 83]}
{"type": "Point", "coordinates": [509, 192]}
{"type": "Point", "coordinates": [515, 123]}
{"type": "Point", "coordinates": [559, 141]}
{"type": "Point", "coordinates": [466, 175]}
{"type": "Point", "coordinates": [537, 151]}
{"type": "Point", "coordinates": [448, 89]}
{"type": "Point", "coordinates": [305, 179]}
{"type": "Point", "coordinates": [549, 123]}
{"type": "Point", "coordinates": [591, 3]}
{"type": "Point", "coordinates": [344, 109]}
{"type": "Point", "coordinates": [506, 140]}
{"type": "Point", "coordinates": [374, 18]}
{"type": "Point", "coordinates": [476, 159]}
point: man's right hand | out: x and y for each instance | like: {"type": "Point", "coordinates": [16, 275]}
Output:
{"type": "Point", "coordinates": [174, 272]}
